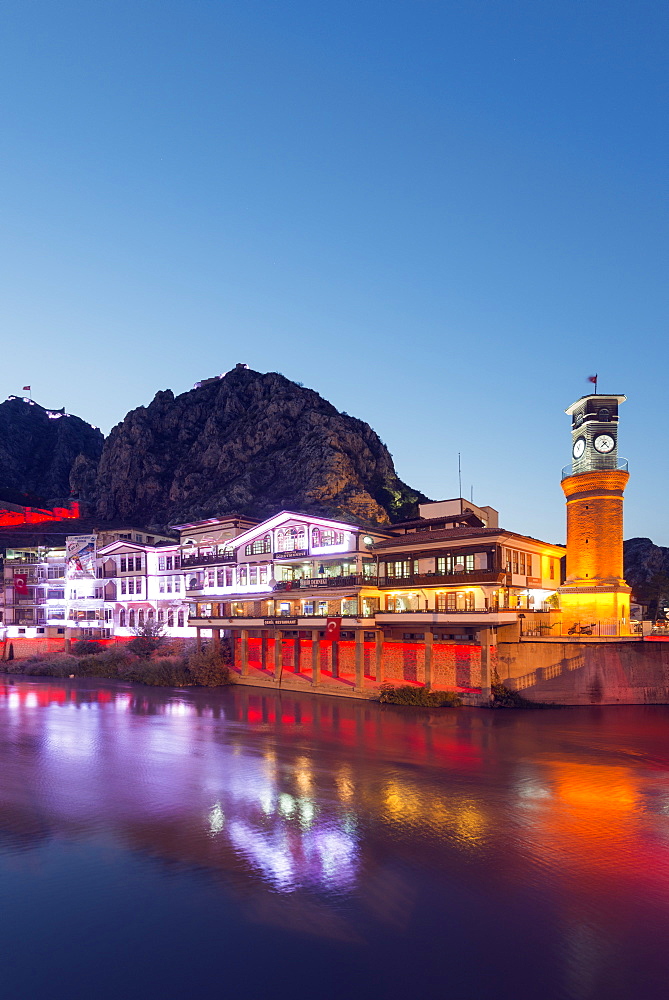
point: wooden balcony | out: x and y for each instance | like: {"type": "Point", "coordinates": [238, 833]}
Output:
{"type": "Point", "coordinates": [470, 578]}
{"type": "Point", "coordinates": [209, 559]}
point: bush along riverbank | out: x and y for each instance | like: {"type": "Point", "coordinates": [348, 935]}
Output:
{"type": "Point", "coordinates": [205, 669]}
{"type": "Point", "coordinates": [406, 694]}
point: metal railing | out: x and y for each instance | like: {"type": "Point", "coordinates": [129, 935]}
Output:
{"type": "Point", "coordinates": [451, 611]}
{"type": "Point", "coordinates": [208, 559]}
{"type": "Point", "coordinates": [603, 465]}
{"type": "Point", "coordinates": [325, 582]}
{"type": "Point", "coordinates": [572, 630]}
{"type": "Point", "coordinates": [470, 576]}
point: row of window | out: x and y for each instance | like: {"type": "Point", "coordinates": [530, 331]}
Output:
{"type": "Point", "coordinates": [246, 576]}
{"type": "Point", "coordinates": [290, 539]}
{"type": "Point", "coordinates": [521, 562]}
{"type": "Point", "coordinates": [137, 619]}
{"type": "Point", "coordinates": [169, 584]}
{"type": "Point", "coordinates": [131, 585]}
{"type": "Point", "coordinates": [442, 565]}
{"type": "Point", "coordinates": [168, 562]}
{"type": "Point", "coordinates": [130, 564]}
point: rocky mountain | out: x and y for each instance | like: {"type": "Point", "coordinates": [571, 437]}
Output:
{"type": "Point", "coordinates": [647, 572]}
{"type": "Point", "coordinates": [39, 447]}
{"type": "Point", "coordinates": [247, 442]}
{"type": "Point", "coordinates": [644, 560]}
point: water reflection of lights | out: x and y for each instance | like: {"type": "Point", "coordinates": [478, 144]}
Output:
{"type": "Point", "coordinates": [216, 819]}
{"type": "Point", "coordinates": [326, 857]}
{"type": "Point", "coordinates": [345, 786]}
{"type": "Point", "coordinates": [303, 777]}
{"type": "Point", "coordinates": [286, 804]}
{"type": "Point", "coordinates": [179, 708]}
{"type": "Point", "coordinates": [414, 806]}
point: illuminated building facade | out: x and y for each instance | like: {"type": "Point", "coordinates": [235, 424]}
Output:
{"type": "Point", "coordinates": [427, 591]}
{"type": "Point", "coordinates": [594, 589]}
{"type": "Point", "coordinates": [139, 583]}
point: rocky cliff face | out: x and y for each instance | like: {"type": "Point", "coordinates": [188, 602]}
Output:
{"type": "Point", "coordinates": [39, 447]}
{"type": "Point", "coordinates": [644, 561]}
{"type": "Point", "coordinates": [250, 443]}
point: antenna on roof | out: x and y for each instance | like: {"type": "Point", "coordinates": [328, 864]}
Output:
{"type": "Point", "coordinates": [459, 477]}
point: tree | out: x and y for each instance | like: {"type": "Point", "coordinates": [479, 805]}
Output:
{"type": "Point", "coordinates": [148, 638]}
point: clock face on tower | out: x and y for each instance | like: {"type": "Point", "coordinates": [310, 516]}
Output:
{"type": "Point", "coordinates": [579, 447]}
{"type": "Point", "coordinates": [604, 443]}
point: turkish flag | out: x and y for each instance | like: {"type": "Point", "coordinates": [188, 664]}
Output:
{"type": "Point", "coordinates": [21, 584]}
{"type": "Point", "coordinates": [333, 629]}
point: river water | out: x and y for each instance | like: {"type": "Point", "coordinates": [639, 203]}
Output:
{"type": "Point", "coordinates": [165, 844]}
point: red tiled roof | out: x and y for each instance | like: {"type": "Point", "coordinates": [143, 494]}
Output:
{"type": "Point", "coordinates": [419, 540]}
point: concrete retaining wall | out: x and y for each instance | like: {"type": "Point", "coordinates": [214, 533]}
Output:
{"type": "Point", "coordinates": [580, 673]}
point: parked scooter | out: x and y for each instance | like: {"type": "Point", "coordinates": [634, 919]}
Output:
{"type": "Point", "coordinates": [577, 629]}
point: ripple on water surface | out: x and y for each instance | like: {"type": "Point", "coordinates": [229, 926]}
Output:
{"type": "Point", "coordinates": [157, 842]}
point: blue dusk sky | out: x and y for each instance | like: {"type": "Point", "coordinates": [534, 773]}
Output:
{"type": "Point", "coordinates": [442, 216]}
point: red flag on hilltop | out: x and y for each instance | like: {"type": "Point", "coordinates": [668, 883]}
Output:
{"type": "Point", "coordinates": [593, 378]}
{"type": "Point", "coordinates": [26, 387]}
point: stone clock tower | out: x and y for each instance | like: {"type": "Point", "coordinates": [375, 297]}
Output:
{"type": "Point", "coordinates": [594, 589]}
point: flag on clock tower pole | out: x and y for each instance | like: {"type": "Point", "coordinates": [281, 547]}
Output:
{"type": "Point", "coordinates": [593, 378]}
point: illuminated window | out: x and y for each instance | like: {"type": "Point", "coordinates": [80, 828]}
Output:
{"type": "Point", "coordinates": [469, 601]}
{"type": "Point", "coordinates": [399, 568]}
{"type": "Point", "coordinates": [259, 546]}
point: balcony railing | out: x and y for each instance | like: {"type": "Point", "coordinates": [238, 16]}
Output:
{"type": "Point", "coordinates": [602, 465]}
{"type": "Point", "coordinates": [470, 577]}
{"type": "Point", "coordinates": [209, 559]}
{"type": "Point", "coordinates": [325, 582]}
{"type": "Point", "coordinates": [453, 611]}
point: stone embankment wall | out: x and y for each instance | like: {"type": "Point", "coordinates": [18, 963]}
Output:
{"type": "Point", "coordinates": [587, 673]}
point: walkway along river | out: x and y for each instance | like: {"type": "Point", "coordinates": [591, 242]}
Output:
{"type": "Point", "coordinates": [248, 843]}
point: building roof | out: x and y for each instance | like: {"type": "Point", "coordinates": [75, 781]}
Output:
{"type": "Point", "coordinates": [420, 522]}
{"type": "Point", "coordinates": [418, 540]}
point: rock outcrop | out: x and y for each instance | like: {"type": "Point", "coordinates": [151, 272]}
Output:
{"type": "Point", "coordinates": [39, 447]}
{"type": "Point", "coordinates": [250, 443]}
